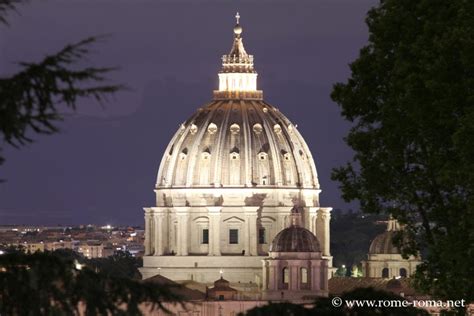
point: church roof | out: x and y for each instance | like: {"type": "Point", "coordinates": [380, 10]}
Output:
{"type": "Point", "coordinates": [295, 239]}
{"type": "Point", "coordinates": [186, 293]}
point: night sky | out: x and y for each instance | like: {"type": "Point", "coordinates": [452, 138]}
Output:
{"type": "Point", "coordinates": [101, 168]}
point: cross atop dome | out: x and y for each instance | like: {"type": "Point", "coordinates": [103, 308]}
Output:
{"type": "Point", "coordinates": [237, 18]}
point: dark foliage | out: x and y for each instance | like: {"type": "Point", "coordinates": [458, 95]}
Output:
{"type": "Point", "coordinates": [54, 284]}
{"type": "Point", "coordinates": [278, 309]}
{"type": "Point", "coordinates": [324, 306]}
{"type": "Point", "coordinates": [122, 264]}
{"type": "Point", "coordinates": [411, 102]}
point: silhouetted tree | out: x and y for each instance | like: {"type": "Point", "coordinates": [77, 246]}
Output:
{"type": "Point", "coordinates": [411, 102]}
{"type": "Point", "coordinates": [324, 306]}
{"type": "Point", "coordinates": [56, 284]}
{"type": "Point", "coordinates": [30, 100]}
{"type": "Point", "coordinates": [277, 309]}
{"type": "Point", "coordinates": [120, 264]}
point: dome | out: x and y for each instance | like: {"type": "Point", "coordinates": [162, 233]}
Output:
{"type": "Point", "coordinates": [295, 239]}
{"type": "Point", "coordinates": [383, 244]}
{"type": "Point", "coordinates": [237, 140]}
{"type": "Point", "coordinates": [237, 143]}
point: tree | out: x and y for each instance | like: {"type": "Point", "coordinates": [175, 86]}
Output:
{"type": "Point", "coordinates": [30, 100]}
{"type": "Point", "coordinates": [56, 284]}
{"type": "Point", "coordinates": [410, 98]}
{"type": "Point", "coordinates": [120, 264]}
{"type": "Point", "coordinates": [325, 306]}
{"type": "Point", "coordinates": [277, 309]}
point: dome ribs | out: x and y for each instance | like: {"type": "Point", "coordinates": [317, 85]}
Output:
{"type": "Point", "coordinates": [191, 177]}
{"type": "Point", "coordinates": [246, 133]}
{"type": "Point", "coordinates": [244, 129]}
{"type": "Point", "coordinates": [274, 158]}
{"type": "Point", "coordinates": [223, 126]}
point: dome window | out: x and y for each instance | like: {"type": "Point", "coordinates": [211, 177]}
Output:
{"type": "Point", "coordinates": [257, 128]}
{"type": "Point", "coordinates": [212, 128]}
{"type": "Point", "coordinates": [234, 153]}
{"type": "Point", "coordinates": [262, 156]}
{"type": "Point", "coordinates": [205, 155]}
{"type": "Point", "coordinates": [302, 155]}
{"type": "Point", "coordinates": [286, 156]}
{"type": "Point", "coordinates": [183, 154]}
{"type": "Point", "coordinates": [277, 128]}
{"type": "Point", "coordinates": [235, 129]}
{"type": "Point", "coordinates": [265, 110]}
{"type": "Point", "coordinates": [193, 130]}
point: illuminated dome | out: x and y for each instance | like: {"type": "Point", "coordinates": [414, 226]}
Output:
{"type": "Point", "coordinates": [383, 243]}
{"type": "Point", "coordinates": [295, 239]}
{"type": "Point", "coordinates": [238, 143]}
{"type": "Point", "coordinates": [237, 139]}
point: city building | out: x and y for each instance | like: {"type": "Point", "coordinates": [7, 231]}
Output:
{"type": "Point", "coordinates": [227, 183]}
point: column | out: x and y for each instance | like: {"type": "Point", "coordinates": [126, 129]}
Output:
{"type": "Point", "coordinates": [324, 275]}
{"type": "Point", "coordinates": [313, 215]}
{"type": "Point", "coordinates": [323, 229]}
{"type": "Point", "coordinates": [315, 276]}
{"type": "Point", "coordinates": [147, 231]}
{"type": "Point", "coordinates": [293, 286]}
{"type": "Point", "coordinates": [182, 214]}
{"type": "Point", "coordinates": [264, 275]}
{"type": "Point", "coordinates": [159, 230]}
{"type": "Point", "coordinates": [250, 242]}
{"type": "Point", "coordinates": [214, 230]}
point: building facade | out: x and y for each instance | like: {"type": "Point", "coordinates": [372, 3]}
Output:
{"type": "Point", "coordinates": [227, 183]}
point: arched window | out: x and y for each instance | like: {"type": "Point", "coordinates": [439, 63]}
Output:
{"type": "Point", "coordinates": [385, 273]}
{"type": "Point", "coordinates": [304, 276]}
{"type": "Point", "coordinates": [285, 276]}
{"type": "Point", "coordinates": [403, 272]}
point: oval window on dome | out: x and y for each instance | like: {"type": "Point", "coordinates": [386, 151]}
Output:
{"type": "Point", "coordinates": [262, 156]}
{"type": "Point", "coordinates": [277, 128]}
{"type": "Point", "coordinates": [257, 128]}
{"type": "Point", "coordinates": [205, 155]}
{"type": "Point", "coordinates": [234, 156]}
{"type": "Point", "coordinates": [193, 129]}
{"type": "Point", "coordinates": [265, 110]}
{"type": "Point", "coordinates": [212, 128]}
{"type": "Point", "coordinates": [235, 129]}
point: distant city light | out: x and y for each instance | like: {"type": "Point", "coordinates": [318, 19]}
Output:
{"type": "Point", "coordinates": [343, 266]}
{"type": "Point", "coordinates": [2, 252]}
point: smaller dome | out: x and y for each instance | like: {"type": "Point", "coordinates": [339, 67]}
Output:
{"type": "Point", "coordinates": [295, 239]}
{"type": "Point", "coordinates": [383, 244]}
